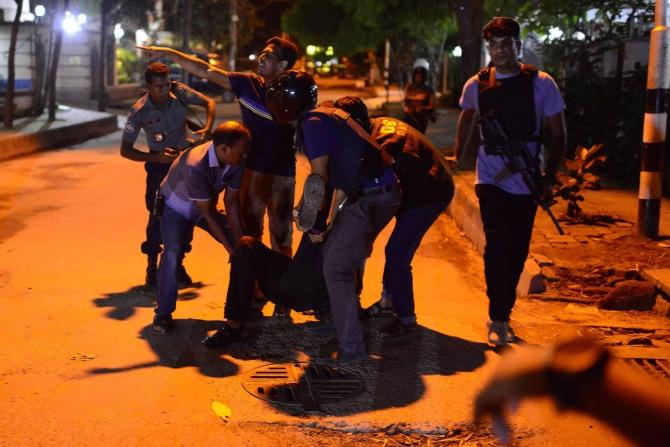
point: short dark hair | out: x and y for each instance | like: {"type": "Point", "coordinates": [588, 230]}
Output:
{"type": "Point", "coordinates": [355, 107]}
{"type": "Point", "coordinates": [287, 50]}
{"type": "Point", "coordinates": [502, 27]}
{"type": "Point", "coordinates": [156, 70]}
{"type": "Point", "coordinates": [229, 133]}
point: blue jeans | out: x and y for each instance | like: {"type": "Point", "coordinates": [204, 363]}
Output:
{"type": "Point", "coordinates": [347, 245]}
{"type": "Point", "coordinates": [176, 231]}
{"type": "Point", "coordinates": [156, 172]}
{"type": "Point", "coordinates": [410, 226]}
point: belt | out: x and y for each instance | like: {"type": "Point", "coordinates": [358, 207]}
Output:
{"type": "Point", "coordinates": [379, 189]}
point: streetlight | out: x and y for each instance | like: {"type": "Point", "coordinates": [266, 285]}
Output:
{"type": "Point", "coordinates": [70, 23]}
{"type": "Point", "coordinates": [118, 32]}
{"type": "Point", "coordinates": [40, 10]}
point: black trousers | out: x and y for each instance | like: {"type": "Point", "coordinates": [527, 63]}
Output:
{"type": "Point", "coordinates": [252, 261]}
{"type": "Point", "coordinates": [508, 225]}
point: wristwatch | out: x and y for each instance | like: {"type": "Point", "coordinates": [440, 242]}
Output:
{"type": "Point", "coordinates": [575, 366]}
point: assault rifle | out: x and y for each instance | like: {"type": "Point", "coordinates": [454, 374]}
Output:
{"type": "Point", "coordinates": [518, 159]}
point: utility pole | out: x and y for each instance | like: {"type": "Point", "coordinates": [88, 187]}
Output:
{"type": "Point", "coordinates": [655, 125]}
{"type": "Point", "coordinates": [186, 36]}
{"type": "Point", "coordinates": [387, 65]}
{"type": "Point", "coordinates": [234, 20]}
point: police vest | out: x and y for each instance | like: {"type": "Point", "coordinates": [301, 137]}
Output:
{"type": "Point", "coordinates": [369, 161]}
{"type": "Point", "coordinates": [512, 99]}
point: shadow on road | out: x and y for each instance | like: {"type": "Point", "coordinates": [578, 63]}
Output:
{"type": "Point", "coordinates": [123, 304]}
{"type": "Point", "coordinates": [393, 374]}
{"type": "Point", "coordinates": [179, 349]}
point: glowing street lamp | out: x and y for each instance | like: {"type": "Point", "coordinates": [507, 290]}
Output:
{"type": "Point", "coordinates": [119, 32]}
{"type": "Point", "coordinates": [40, 10]}
{"type": "Point", "coordinates": [70, 23]}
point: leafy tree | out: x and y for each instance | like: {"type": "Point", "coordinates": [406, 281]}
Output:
{"type": "Point", "coordinates": [417, 28]}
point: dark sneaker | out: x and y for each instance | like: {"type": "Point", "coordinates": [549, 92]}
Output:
{"type": "Point", "coordinates": [183, 278]}
{"type": "Point", "coordinates": [312, 196]}
{"type": "Point", "coordinates": [151, 278]}
{"type": "Point", "coordinates": [500, 333]}
{"type": "Point", "coordinates": [376, 310]}
{"type": "Point", "coordinates": [397, 329]}
{"type": "Point", "coordinates": [224, 336]}
{"type": "Point", "coordinates": [281, 312]}
{"type": "Point", "coordinates": [162, 324]}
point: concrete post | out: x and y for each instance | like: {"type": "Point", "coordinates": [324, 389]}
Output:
{"type": "Point", "coordinates": [655, 123]}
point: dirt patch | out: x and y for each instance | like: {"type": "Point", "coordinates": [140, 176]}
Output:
{"type": "Point", "coordinates": [591, 259]}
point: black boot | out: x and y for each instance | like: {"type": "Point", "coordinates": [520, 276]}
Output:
{"type": "Point", "coordinates": [152, 271]}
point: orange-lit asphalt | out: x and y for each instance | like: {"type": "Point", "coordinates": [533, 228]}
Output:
{"type": "Point", "coordinates": [75, 368]}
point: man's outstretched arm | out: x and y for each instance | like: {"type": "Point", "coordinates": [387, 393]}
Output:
{"type": "Point", "coordinates": [192, 64]}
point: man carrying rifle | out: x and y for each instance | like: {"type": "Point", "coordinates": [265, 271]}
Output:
{"type": "Point", "coordinates": [525, 102]}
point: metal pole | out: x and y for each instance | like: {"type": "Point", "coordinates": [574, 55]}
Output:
{"type": "Point", "coordinates": [655, 123]}
{"type": "Point", "coordinates": [186, 36]}
{"type": "Point", "coordinates": [234, 19]}
{"type": "Point", "coordinates": [387, 64]}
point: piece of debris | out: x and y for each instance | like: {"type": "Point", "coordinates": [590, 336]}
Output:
{"type": "Point", "coordinates": [83, 357]}
{"type": "Point", "coordinates": [630, 295]}
{"type": "Point", "coordinates": [531, 279]}
{"type": "Point", "coordinates": [583, 310]}
{"type": "Point", "coordinates": [222, 410]}
{"type": "Point", "coordinates": [640, 341]}
{"type": "Point", "coordinates": [542, 260]}
{"type": "Point", "coordinates": [549, 273]}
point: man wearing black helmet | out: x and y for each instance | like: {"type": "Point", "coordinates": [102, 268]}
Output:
{"type": "Point", "coordinates": [344, 159]}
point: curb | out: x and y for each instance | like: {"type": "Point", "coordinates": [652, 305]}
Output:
{"type": "Point", "coordinates": [77, 126]}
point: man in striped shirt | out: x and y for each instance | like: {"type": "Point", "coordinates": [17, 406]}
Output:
{"type": "Point", "coordinates": [191, 192]}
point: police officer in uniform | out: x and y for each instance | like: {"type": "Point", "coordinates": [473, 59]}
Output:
{"type": "Point", "coordinates": [162, 113]}
{"type": "Point", "coordinates": [526, 102]}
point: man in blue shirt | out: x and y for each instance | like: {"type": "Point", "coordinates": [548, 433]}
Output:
{"type": "Point", "coordinates": [162, 114]}
{"type": "Point", "coordinates": [269, 182]}
{"type": "Point", "coordinates": [367, 196]}
{"type": "Point", "coordinates": [191, 192]}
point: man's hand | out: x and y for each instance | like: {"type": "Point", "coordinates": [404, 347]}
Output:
{"type": "Point", "coordinates": [202, 135]}
{"type": "Point", "coordinates": [152, 52]}
{"type": "Point", "coordinates": [166, 156]}
{"type": "Point", "coordinates": [521, 373]}
{"type": "Point", "coordinates": [316, 236]}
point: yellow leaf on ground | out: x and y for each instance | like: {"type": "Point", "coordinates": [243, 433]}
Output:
{"type": "Point", "coordinates": [221, 410]}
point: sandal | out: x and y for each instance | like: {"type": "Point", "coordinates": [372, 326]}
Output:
{"type": "Point", "coordinates": [376, 310]}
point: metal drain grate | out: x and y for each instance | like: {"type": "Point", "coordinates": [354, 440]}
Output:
{"type": "Point", "coordinates": [309, 385]}
{"type": "Point", "coordinates": [657, 368]}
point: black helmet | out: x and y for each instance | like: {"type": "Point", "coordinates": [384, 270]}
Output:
{"type": "Point", "coordinates": [290, 94]}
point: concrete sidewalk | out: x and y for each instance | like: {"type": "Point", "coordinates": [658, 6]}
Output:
{"type": "Point", "coordinates": [72, 126]}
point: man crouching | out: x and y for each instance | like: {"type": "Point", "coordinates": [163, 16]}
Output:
{"type": "Point", "coordinates": [190, 192]}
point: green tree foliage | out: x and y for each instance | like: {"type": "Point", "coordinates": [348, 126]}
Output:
{"type": "Point", "coordinates": [601, 107]}
{"type": "Point", "coordinates": [416, 29]}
